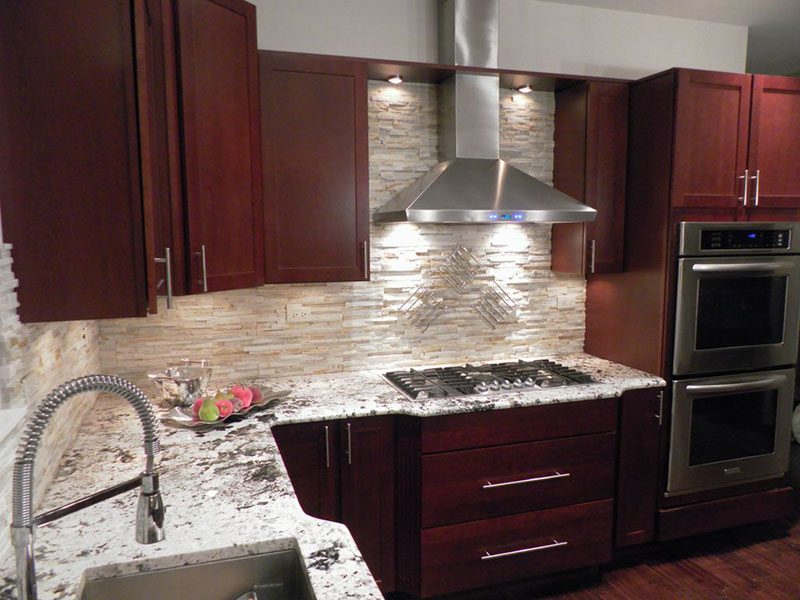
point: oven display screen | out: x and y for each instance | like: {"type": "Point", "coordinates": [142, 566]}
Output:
{"type": "Point", "coordinates": [732, 426]}
{"type": "Point", "coordinates": [743, 239]}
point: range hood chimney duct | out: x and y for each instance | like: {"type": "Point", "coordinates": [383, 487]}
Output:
{"type": "Point", "coordinates": [472, 184]}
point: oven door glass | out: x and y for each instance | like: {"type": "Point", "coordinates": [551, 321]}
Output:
{"type": "Point", "coordinates": [732, 426]}
{"type": "Point", "coordinates": [730, 429]}
{"type": "Point", "coordinates": [736, 312]}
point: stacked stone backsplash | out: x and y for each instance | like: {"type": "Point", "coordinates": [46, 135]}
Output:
{"type": "Point", "coordinates": [33, 360]}
{"type": "Point", "coordinates": [356, 326]}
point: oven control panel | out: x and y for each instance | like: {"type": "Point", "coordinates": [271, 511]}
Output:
{"type": "Point", "coordinates": [744, 239]}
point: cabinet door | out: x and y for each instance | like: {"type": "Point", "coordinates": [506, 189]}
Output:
{"type": "Point", "coordinates": [641, 416]}
{"type": "Point", "coordinates": [314, 125]}
{"type": "Point", "coordinates": [218, 74]}
{"type": "Point", "coordinates": [775, 142]}
{"type": "Point", "coordinates": [590, 159]}
{"type": "Point", "coordinates": [606, 163]}
{"type": "Point", "coordinates": [368, 492]}
{"type": "Point", "coordinates": [309, 451]}
{"type": "Point", "coordinates": [69, 159]}
{"type": "Point", "coordinates": [711, 135]}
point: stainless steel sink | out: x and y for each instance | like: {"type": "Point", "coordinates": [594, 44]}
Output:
{"type": "Point", "coordinates": [278, 575]}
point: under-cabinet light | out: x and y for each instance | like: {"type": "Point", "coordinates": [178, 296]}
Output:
{"type": "Point", "coordinates": [525, 89]}
{"type": "Point", "coordinates": [395, 79]}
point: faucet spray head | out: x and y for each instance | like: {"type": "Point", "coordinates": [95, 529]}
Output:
{"type": "Point", "coordinates": [150, 511]}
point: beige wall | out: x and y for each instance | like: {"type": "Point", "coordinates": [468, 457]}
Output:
{"type": "Point", "coordinates": [534, 35]}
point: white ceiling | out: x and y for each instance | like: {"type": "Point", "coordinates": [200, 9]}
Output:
{"type": "Point", "coordinates": [773, 44]}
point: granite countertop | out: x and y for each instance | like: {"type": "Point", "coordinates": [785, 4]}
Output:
{"type": "Point", "coordinates": [226, 490]}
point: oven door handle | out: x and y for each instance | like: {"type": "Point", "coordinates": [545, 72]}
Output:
{"type": "Point", "coordinates": [745, 386]}
{"type": "Point", "coordinates": [767, 267]}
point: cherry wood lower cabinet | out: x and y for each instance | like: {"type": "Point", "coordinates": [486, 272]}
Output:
{"type": "Point", "coordinates": [519, 546]}
{"type": "Point", "coordinates": [493, 497]}
{"type": "Point", "coordinates": [641, 418]}
{"type": "Point", "coordinates": [310, 453]}
{"type": "Point", "coordinates": [344, 471]}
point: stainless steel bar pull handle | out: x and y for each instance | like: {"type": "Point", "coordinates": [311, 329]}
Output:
{"type": "Point", "coordinates": [167, 261]}
{"type": "Point", "coordinates": [555, 544]}
{"type": "Point", "coordinates": [744, 386]}
{"type": "Point", "coordinates": [746, 178]}
{"type": "Point", "coordinates": [327, 447]}
{"type": "Point", "coordinates": [365, 254]}
{"type": "Point", "coordinates": [202, 255]}
{"type": "Point", "coordinates": [757, 177]}
{"type": "Point", "coordinates": [349, 446]}
{"type": "Point", "coordinates": [489, 485]}
{"type": "Point", "coordinates": [594, 254]}
{"type": "Point", "coordinates": [742, 267]}
{"type": "Point", "coordinates": [660, 415]}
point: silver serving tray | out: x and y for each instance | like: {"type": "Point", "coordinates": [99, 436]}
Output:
{"type": "Point", "coordinates": [184, 417]}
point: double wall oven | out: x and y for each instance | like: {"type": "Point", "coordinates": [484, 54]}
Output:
{"type": "Point", "coordinates": [736, 336]}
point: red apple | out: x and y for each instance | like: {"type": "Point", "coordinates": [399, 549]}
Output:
{"type": "Point", "coordinates": [243, 394]}
{"type": "Point", "coordinates": [196, 406]}
{"type": "Point", "coordinates": [225, 407]}
{"type": "Point", "coordinates": [257, 397]}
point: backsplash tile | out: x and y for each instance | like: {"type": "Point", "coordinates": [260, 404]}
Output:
{"type": "Point", "coordinates": [33, 360]}
{"type": "Point", "coordinates": [358, 325]}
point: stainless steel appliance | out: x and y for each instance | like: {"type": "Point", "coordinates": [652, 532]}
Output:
{"type": "Point", "coordinates": [468, 380]}
{"type": "Point", "coordinates": [729, 429]}
{"type": "Point", "coordinates": [473, 184]}
{"type": "Point", "coordinates": [736, 336]}
{"type": "Point", "coordinates": [738, 297]}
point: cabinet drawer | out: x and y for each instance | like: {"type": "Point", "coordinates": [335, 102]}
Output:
{"type": "Point", "coordinates": [501, 480]}
{"type": "Point", "coordinates": [493, 428]}
{"type": "Point", "coordinates": [492, 551]}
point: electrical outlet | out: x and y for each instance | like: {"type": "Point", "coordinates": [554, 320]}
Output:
{"type": "Point", "coordinates": [566, 302]}
{"type": "Point", "coordinates": [297, 312]}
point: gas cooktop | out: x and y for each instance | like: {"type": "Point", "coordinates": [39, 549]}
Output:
{"type": "Point", "coordinates": [468, 380]}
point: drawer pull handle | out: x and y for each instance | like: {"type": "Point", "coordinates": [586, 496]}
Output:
{"type": "Point", "coordinates": [555, 544]}
{"type": "Point", "coordinates": [489, 485]}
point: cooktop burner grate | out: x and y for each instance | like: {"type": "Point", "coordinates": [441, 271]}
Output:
{"type": "Point", "coordinates": [468, 380]}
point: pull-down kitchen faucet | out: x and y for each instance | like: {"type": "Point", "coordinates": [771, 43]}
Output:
{"type": "Point", "coordinates": [150, 510]}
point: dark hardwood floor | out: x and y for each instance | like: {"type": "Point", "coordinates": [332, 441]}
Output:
{"type": "Point", "coordinates": [758, 562]}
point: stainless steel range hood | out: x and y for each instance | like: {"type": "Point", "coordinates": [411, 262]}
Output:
{"type": "Point", "coordinates": [473, 184]}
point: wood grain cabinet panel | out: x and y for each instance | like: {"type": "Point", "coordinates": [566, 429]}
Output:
{"type": "Point", "coordinates": [221, 143]}
{"type": "Point", "coordinates": [504, 549]}
{"type": "Point", "coordinates": [590, 158]}
{"type": "Point", "coordinates": [549, 421]}
{"type": "Point", "coordinates": [712, 124]}
{"type": "Point", "coordinates": [641, 417]}
{"type": "Point", "coordinates": [310, 454]}
{"type": "Point", "coordinates": [488, 482]}
{"type": "Point", "coordinates": [344, 471]}
{"type": "Point", "coordinates": [367, 481]}
{"type": "Point", "coordinates": [316, 189]}
{"type": "Point", "coordinates": [70, 178]}
{"type": "Point", "coordinates": [774, 149]}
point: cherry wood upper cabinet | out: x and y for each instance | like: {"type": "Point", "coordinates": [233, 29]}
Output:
{"type": "Point", "coordinates": [774, 153]}
{"type": "Point", "coordinates": [590, 155]}
{"type": "Point", "coordinates": [71, 190]}
{"type": "Point", "coordinates": [712, 122]}
{"type": "Point", "coordinates": [315, 153]}
{"type": "Point", "coordinates": [221, 143]}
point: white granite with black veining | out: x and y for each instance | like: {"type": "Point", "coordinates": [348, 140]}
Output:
{"type": "Point", "coordinates": [226, 490]}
